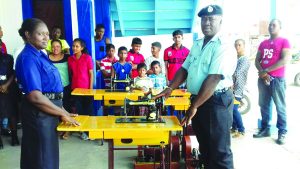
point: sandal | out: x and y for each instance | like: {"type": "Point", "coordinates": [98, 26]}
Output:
{"type": "Point", "coordinates": [65, 135]}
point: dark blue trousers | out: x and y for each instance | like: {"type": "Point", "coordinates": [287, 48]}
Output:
{"type": "Point", "coordinates": [212, 125]}
{"type": "Point", "coordinates": [39, 149]}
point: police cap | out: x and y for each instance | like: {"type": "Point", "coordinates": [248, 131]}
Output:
{"type": "Point", "coordinates": [211, 10]}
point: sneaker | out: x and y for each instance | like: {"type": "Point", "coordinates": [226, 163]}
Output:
{"type": "Point", "coordinates": [238, 134]}
{"type": "Point", "coordinates": [84, 136]}
{"type": "Point", "coordinates": [262, 133]}
{"type": "Point", "coordinates": [281, 139]}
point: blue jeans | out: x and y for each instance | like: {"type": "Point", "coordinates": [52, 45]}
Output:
{"type": "Point", "coordinates": [237, 123]}
{"type": "Point", "coordinates": [275, 92]}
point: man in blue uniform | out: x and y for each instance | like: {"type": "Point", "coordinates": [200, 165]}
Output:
{"type": "Point", "coordinates": [209, 79]}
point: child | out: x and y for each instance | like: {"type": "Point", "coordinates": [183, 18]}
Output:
{"type": "Point", "coordinates": [81, 71]}
{"type": "Point", "coordinates": [155, 49]}
{"type": "Point", "coordinates": [121, 70]}
{"type": "Point", "coordinates": [134, 57]}
{"type": "Point", "coordinates": [106, 64]}
{"type": "Point", "coordinates": [144, 83]}
{"type": "Point", "coordinates": [158, 79]}
{"type": "Point", "coordinates": [175, 55]}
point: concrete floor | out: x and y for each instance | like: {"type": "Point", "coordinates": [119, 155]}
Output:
{"type": "Point", "coordinates": [248, 153]}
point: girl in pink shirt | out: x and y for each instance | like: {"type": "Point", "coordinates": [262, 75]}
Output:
{"type": "Point", "coordinates": [81, 73]}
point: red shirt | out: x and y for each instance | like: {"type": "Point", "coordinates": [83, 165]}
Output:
{"type": "Point", "coordinates": [106, 65]}
{"type": "Point", "coordinates": [135, 58]}
{"type": "Point", "coordinates": [3, 48]}
{"type": "Point", "coordinates": [79, 71]}
{"type": "Point", "coordinates": [175, 58]}
{"type": "Point", "coordinates": [270, 54]}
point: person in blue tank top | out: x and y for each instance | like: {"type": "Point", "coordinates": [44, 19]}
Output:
{"type": "Point", "coordinates": [100, 45]}
{"type": "Point", "coordinates": [100, 42]}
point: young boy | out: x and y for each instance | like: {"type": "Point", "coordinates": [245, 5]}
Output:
{"type": "Point", "coordinates": [155, 49]}
{"type": "Point", "coordinates": [134, 57]}
{"type": "Point", "coordinates": [144, 83]}
{"type": "Point", "coordinates": [158, 78]}
{"type": "Point", "coordinates": [106, 64]}
{"type": "Point", "coordinates": [121, 70]}
{"type": "Point", "coordinates": [175, 55]}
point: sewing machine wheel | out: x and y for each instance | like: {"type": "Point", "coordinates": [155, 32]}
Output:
{"type": "Point", "coordinates": [152, 116]}
{"type": "Point", "coordinates": [190, 152]}
{"type": "Point", "coordinates": [175, 148]}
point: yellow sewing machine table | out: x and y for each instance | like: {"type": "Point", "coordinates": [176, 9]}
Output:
{"type": "Point", "coordinates": [125, 134]}
{"type": "Point", "coordinates": [110, 98]}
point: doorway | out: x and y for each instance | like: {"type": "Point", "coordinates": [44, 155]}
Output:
{"type": "Point", "coordinates": [51, 12]}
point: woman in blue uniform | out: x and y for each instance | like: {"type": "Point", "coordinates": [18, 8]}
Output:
{"type": "Point", "coordinates": [42, 101]}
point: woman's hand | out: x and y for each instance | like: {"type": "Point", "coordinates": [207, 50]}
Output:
{"type": "Point", "coordinates": [3, 88]}
{"type": "Point", "coordinates": [68, 118]}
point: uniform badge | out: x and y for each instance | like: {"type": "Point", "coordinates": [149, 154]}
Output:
{"type": "Point", "coordinates": [210, 9]}
{"type": "Point", "coordinates": [2, 77]}
{"type": "Point", "coordinates": [169, 53]}
{"type": "Point", "coordinates": [122, 70]}
{"type": "Point", "coordinates": [265, 62]}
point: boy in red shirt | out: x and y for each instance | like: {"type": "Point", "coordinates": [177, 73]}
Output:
{"type": "Point", "coordinates": [106, 64]}
{"type": "Point", "coordinates": [134, 57]}
{"type": "Point", "coordinates": [175, 55]}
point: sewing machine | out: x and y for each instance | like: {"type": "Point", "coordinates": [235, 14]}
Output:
{"type": "Point", "coordinates": [149, 109]}
{"type": "Point", "coordinates": [127, 81]}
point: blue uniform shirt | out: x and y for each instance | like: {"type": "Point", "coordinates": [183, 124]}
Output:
{"type": "Point", "coordinates": [121, 72]}
{"type": "Point", "coordinates": [217, 57]}
{"type": "Point", "coordinates": [35, 71]}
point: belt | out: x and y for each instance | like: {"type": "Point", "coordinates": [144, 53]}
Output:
{"type": "Point", "coordinates": [54, 96]}
{"type": "Point", "coordinates": [220, 91]}
{"type": "Point", "coordinates": [217, 92]}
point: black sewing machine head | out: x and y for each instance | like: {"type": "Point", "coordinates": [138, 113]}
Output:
{"type": "Point", "coordinates": [144, 107]}
{"type": "Point", "coordinates": [121, 84]}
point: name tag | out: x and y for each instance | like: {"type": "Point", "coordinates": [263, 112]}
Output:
{"type": "Point", "coordinates": [2, 77]}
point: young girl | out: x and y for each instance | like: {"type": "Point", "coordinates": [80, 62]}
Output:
{"type": "Point", "coordinates": [81, 72]}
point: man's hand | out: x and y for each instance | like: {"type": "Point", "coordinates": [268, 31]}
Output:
{"type": "Point", "coordinates": [189, 115]}
{"type": "Point", "coordinates": [166, 93]}
{"type": "Point", "coordinates": [67, 118]}
{"type": "Point", "coordinates": [262, 74]}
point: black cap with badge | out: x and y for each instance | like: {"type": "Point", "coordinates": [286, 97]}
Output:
{"type": "Point", "coordinates": [211, 10]}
